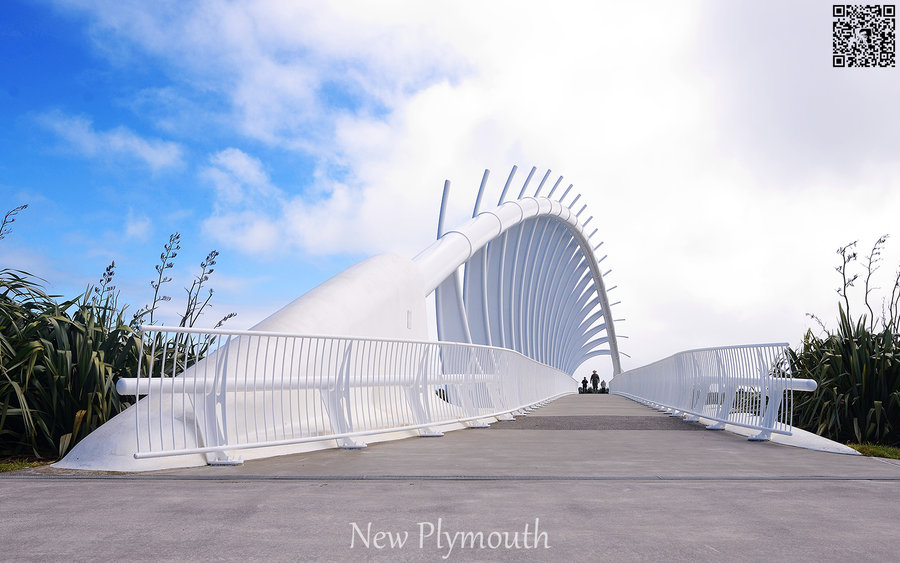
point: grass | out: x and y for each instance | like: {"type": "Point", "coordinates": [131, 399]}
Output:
{"type": "Point", "coordinates": [874, 450]}
{"type": "Point", "coordinates": [18, 464]}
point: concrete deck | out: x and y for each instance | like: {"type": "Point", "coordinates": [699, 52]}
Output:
{"type": "Point", "coordinates": [606, 479]}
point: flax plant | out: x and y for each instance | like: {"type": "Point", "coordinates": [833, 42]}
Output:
{"type": "Point", "coordinates": [181, 350]}
{"type": "Point", "coordinates": [856, 366]}
{"type": "Point", "coordinates": [60, 360]}
{"type": "Point", "coordinates": [60, 364]}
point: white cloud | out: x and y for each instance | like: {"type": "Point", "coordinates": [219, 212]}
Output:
{"type": "Point", "coordinates": [80, 135]}
{"type": "Point", "coordinates": [248, 231]}
{"type": "Point", "coordinates": [786, 110]}
{"type": "Point", "coordinates": [271, 59]}
{"type": "Point", "coordinates": [711, 152]}
{"type": "Point", "coordinates": [239, 178]}
{"type": "Point", "coordinates": [247, 211]}
{"type": "Point", "coordinates": [138, 227]}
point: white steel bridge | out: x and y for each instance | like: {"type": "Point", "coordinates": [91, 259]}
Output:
{"type": "Point", "coordinates": [520, 303]}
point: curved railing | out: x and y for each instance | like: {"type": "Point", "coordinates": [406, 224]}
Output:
{"type": "Point", "coordinates": [257, 389]}
{"type": "Point", "coordinates": [750, 386]}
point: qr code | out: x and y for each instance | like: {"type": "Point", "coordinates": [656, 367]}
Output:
{"type": "Point", "coordinates": [864, 36]}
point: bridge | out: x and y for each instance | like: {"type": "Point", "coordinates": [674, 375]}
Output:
{"type": "Point", "coordinates": [315, 398]}
{"type": "Point", "coordinates": [520, 302]}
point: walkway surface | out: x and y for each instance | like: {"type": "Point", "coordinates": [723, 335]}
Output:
{"type": "Point", "coordinates": [601, 479]}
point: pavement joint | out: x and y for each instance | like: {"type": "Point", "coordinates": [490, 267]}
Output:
{"type": "Point", "coordinates": [237, 479]}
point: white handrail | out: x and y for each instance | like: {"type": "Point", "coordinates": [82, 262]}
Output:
{"type": "Point", "coordinates": [747, 385]}
{"type": "Point", "coordinates": [218, 391]}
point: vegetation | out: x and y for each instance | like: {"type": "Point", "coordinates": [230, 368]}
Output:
{"type": "Point", "coordinates": [874, 450]}
{"type": "Point", "coordinates": [17, 464]}
{"type": "Point", "coordinates": [856, 366]}
{"type": "Point", "coordinates": [60, 360]}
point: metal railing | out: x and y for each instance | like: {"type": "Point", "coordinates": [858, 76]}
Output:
{"type": "Point", "coordinates": [750, 386]}
{"type": "Point", "coordinates": [215, 391]}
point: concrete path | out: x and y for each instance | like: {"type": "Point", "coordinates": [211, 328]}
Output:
{"type": "Point", "coordinates": [600, 477]}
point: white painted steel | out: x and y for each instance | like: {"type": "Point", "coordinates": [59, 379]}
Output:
{"type": "Point", "coordinates": [749, 386]}
{"type": "Point", "coordinates": [256, 389]}
{"type": "Point", "coordinates": [520, 303]}
{"type": "Point", "coordinates": [530, 279]}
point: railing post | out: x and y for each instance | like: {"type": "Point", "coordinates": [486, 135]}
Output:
{"type": "Point", "coordinates": [468, 390]}
{"type": "Point", "coordinates": [419, 400]}
{"type": "Point", "coordinates": [695, 390]}
{"type": "Point", "coordinates": [773, 395]}
{"type": "Point", "coordinates": [214, 402]}
{"type": "Point", "coordinates": [337, 404]}
{"type": "Point", "coordinates": [724, 395]}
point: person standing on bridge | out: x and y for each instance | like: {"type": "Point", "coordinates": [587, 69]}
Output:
{"type": "Point", "coordinates": [584, 385]}
{"type": "Point", "coordinates": [595, 380]}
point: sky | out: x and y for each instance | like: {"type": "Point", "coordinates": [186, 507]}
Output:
{"type": "Point", "coordinates": [723, 157]}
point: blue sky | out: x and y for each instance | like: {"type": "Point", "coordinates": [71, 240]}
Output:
{"type": "Point", "coordinates": [112, 152]}
{"type": "Point", "coordinates": [724, 158]}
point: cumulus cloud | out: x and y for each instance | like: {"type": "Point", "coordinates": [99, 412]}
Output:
{"type": "Point", "coordinates": [272, 60]}
{"type": "Point", "coordinates": [247, 207]}
{"type": "Point", "coordinates": [79, 134]}
{"type": "Point", "coordinates": [720, 172]}
{"type": "Point", "coordinates": [138, 227]}
{"type": "Point", "coordinates": [239, 178]}
{"type": "Point", "coordinates": [248, 231]}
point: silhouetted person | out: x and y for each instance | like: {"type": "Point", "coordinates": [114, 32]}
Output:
{"type": "Point", "coordinates": [584, 384]}
{"type": "Point", "coordinates": [603, 388]}
{"type": "Point", "coordinates": [595, 380]}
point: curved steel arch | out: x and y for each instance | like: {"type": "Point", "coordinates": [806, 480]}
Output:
{"type": "Point", "coordinates": [531, 281]}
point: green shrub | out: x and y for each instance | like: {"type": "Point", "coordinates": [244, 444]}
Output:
{"type": "Point", "coordinates": [858, 373]}
{"type": "Point", "coordinates": [59, 368]}
{"type": "Point", "coordinates": [856, 366]}
{"type": "Point", "coordinates": [59, 361]}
